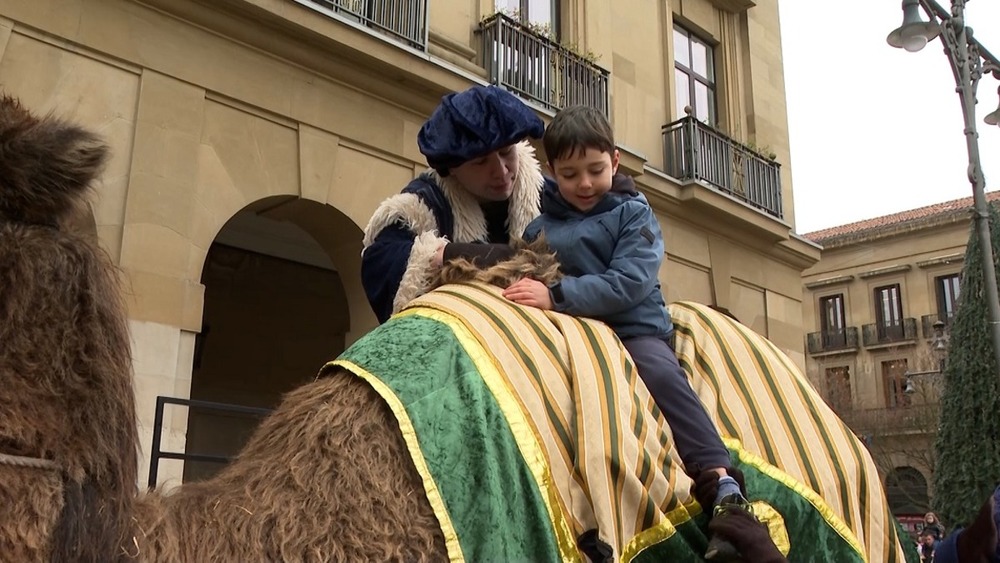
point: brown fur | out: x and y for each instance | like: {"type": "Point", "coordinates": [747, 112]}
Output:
{"type": "Point", "coordinates": [65, 368]}
{"type": "Point", "coordinates": [32, 501]}
{"type": "Point", "coordinates": [531, 260]}
{"type": "Point", "coordinates": [45, 165]}
{"type": "Point", "coordinates": [327, 477]}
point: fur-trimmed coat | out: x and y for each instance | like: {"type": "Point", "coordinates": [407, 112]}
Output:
{"type": "Point", "coordinates": [407, 229]}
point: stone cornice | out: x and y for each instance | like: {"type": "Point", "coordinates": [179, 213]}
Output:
{"type": "Point", "coordinates": [942, 260]}
{"type": "Point", "coordinates": [347, 53]}
{"type": "Point", "coordinates": [735, 6]}
{"type": "Point", "coordinates": [829, 281]}
{"type": "Point", "coordinates": [885, 271]}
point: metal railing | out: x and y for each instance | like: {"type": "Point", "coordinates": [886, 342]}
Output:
{"type": "Point", "coordinates": [927, 324]}
{"type": "Point", "coordinates": [875, 334]}
{"type": "Point", "coordinates": [695, 151]}
{"type": "Point", "coordinates": [403, 20]}
{"type": "Point", "coordinates": [828, 341]}
{"type": "Point", "coordinates": [880, 422]}
{"type": "Point", "coordinates": [156, 454]}
{"type": "Point", "coordinates": [539, 69]}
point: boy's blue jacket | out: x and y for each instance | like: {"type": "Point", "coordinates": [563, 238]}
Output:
{"type": "Point", "coordinates": [611, 256]}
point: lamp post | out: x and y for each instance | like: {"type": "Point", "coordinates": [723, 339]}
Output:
{"type": "Point", "coordinates": [939, 351]}
{"type": "Point", "coordinates": [970, 61]}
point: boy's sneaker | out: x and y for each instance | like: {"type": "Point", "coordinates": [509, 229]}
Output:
{"type": "Point", "coordinates": [719, 549]}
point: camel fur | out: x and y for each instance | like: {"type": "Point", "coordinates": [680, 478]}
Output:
{"type": "Point", "coordinates": [65, 367]}
{"type": "Point", "coordinates": [326, 477]}
{"type": "Point", "coordinates": [533, 259]}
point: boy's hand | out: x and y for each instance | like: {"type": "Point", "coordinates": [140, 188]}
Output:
{"type": "Point", "coordinates": [527, 291]}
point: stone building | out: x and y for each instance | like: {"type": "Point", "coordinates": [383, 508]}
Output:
{"type": "Point", "coordinates": [253, 138]}
{"type": "Point", "coordinates": [870, 308]}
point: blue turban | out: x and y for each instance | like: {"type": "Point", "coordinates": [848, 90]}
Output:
{"type": "Point", "coordinates": [469, 124]}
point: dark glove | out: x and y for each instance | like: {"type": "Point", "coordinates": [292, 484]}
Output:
{"type": "Point", "coordinates": [747, 534]}
{"type": "Point", "coordinates": [978, 542]}
{"type": "Point", "coordinates": [706, 486]}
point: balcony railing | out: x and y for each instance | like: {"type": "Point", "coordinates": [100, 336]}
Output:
{"type": "Point", "coordinates": [403, 20]}
{"type": "Point", "coordinates": [875, 334]}
{"type": "Point", "coordinates": [903, 420]}
{"type": "Point", "coordinates": [156, 453]}
{"type": "Point", "coordinates": [695, 151]}
{"type": "Point", "coordinates": [832, 340]}
{"type": "Point", "coordinates": [539, 69]}
{"type": "Point", "coordinates": [927, 324]}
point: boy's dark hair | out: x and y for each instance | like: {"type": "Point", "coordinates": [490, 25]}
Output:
{"type": "Point", "coordinates": [577, 128]}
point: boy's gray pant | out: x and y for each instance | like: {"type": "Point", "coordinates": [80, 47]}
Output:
{"type": "Point", "coordinates": [696, 437]}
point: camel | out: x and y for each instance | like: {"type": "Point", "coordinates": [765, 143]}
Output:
{"type": "Point", "coordinates": [331, 475]}
{"type": "Point", "coordinates": [68, 443]}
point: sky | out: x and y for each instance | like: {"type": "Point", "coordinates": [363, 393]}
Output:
{"type": "Point", "coordinates": [876, 130]}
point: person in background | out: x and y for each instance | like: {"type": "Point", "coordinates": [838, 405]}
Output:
{"type": "Point", "coordinates": [925, 547]}
{"type": "Point", "coordinates": [931, 525]}
{"type": "Point", "coordinates": [482, 190]}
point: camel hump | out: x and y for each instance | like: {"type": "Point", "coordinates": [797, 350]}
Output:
{"type": "Point", "coordinates": [46, 164]}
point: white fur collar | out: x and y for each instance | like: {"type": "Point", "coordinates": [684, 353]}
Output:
{"type": "Point", "coordinates": [470, 223]}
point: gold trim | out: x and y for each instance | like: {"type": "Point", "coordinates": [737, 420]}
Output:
{"type": "Point", "coordinates": [831, 517]}
{"type": "Point", "coordinates": [775, 523]}
{"type": "Point", "coordinates": [528, 443]}
{"type": "Point", "coordinates": [413, 445]}
{"type": "Point", "coordinates": [660, 532]}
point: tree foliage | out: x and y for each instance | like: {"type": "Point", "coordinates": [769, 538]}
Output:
{"type": "Point", "coordinates": [967, 465]}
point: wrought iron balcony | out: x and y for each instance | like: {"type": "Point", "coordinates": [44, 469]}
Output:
{"type": "Point", "coordinates": [832, 340]}
{"type": "Point", "coordinates": [922, 419]}
{"type": "Point", "coordinates": [927, 324]}
{"type": "Point", "coordinates": [695, 151]}
{"type": "Point", "coordinates": [539, 69]}
{"type": "Point", "coordinates": [875, 334]}
{"type": "Point", "coordinates": [403, 20]}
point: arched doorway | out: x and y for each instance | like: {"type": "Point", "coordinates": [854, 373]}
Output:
{"type": "Point", "coordinates": [906, 491]}
{"type": "Point", "coordinates": [275, 310]}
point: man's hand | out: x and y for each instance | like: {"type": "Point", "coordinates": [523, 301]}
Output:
{"type": "Point", "coordinates": [438, 260]}
{"type": "Point", "coordinates": [749, 536]}
{"type": "Point", "coordinates": [527, 291]}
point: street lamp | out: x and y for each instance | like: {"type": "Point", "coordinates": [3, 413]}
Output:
{"type": "Point", "coordinates": [969, 62]}
{"type": "Point", "coordinates": [915, 32]}
{"type": "Point", "coordinates": [939, 350]}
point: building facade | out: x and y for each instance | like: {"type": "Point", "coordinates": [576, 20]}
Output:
{"type": "Point", "coordinates": [252, 139]}
{"type": "Point", "coordinates": [877, 307]}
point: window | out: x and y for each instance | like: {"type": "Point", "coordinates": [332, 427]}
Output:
{"type": "Point", "coordinates": [894, 381]}
{"type": "Point", "coordinates": [838, 388]}
{"type": "Point", "coordinates": [947, 296]}
{"type": "Point", "coordinates": [541, 14]}
{"type": "Point", "coordinates": [889, 312]}
{"type": "Point", "coordinates": [694, 73]}
{"type": "Point", "coordinates": [832, 321]}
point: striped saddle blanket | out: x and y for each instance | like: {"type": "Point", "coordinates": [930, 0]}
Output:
{"type": "Point", "coordinates": [531, 429]}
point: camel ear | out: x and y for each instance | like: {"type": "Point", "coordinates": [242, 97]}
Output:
{"type": "Point", "coordinates": [46, 165]}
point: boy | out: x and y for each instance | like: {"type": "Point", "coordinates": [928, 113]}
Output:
{"type": "Point", "coordinates": [926, 547]}
{"type": "Point", "coordinates": [609, 244]}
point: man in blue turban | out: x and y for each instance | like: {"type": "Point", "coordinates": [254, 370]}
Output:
{"type": "Point", "coordinates": [481, 190]}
